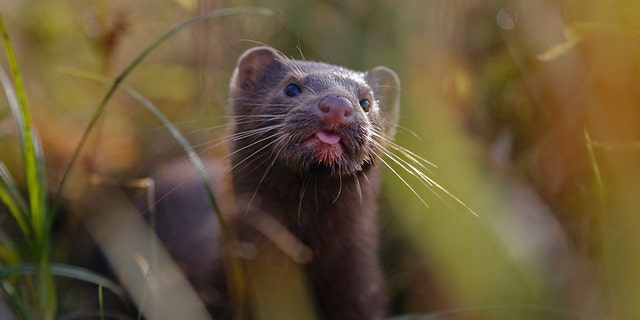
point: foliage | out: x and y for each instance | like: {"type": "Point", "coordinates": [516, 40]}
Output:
{"type": "Point", "coordinates": [527, 109]}
{"type": "Point", "coordinates": [35, 220]}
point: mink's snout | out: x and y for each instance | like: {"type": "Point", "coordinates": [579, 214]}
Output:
{"type": "Point", "coordinates": [335, 109]}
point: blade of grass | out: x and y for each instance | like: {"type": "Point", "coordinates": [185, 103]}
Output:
{"type": "Point", "coordinates": [67, 271]}
{"type": "Point", "coordinates": [238, 278]}
{"type": "Point", "coordinates": [10, 255]}
{"type": "Point", "coordinates": [175, 132]}
{"type": "Point", "coordinates": [10, 196]}
{"type": "Point", "coordinates": [29, 140]}
{"type": "Point", "coordinates": [88, 314]}
{"type": "Point", "coordinates": [35, 178]}
{"type": "Point", "coordinates": [101, 302]}
{"type": "Point", "coordinates": [17, 300]}
{"type": "Point", "coordinates": [112, 315]}
{"type": "Point", "coordinates": [193, 157]}
{"type": "Point", "coordinates": [235, 265]}
{"type": "Point", "coordinates": [129, 68]}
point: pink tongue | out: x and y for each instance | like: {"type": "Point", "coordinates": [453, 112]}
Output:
{"type": "Point", "coordinates": [328, 137]}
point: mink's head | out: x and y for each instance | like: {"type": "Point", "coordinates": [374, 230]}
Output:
{"type": "Point", "coordinates": [311, 117]}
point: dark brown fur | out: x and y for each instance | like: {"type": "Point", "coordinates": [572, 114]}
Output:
{"type": "Point", "coordinates": [323, 201]}
{"type": "Point", "coordinates": [330, 206]}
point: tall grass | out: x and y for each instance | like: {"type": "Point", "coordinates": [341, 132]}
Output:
{"type": "Point", "coordinates": [34, 215]}
{"type": "Point", "coordinates": [37, 299]}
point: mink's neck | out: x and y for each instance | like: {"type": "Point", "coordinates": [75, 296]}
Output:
{"type": "Point", "coordinates": [336, 218]}
{"type": "Point", "coordinates": [298, 200]}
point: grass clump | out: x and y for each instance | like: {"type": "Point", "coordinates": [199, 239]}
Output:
{"type": "Point", "coordinates": [27, 272]}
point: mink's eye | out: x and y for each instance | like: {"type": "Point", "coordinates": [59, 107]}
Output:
{"type": "Point", "coordinates": [292, 90]}
{"type": "Point", "coordinates": [365, 105]}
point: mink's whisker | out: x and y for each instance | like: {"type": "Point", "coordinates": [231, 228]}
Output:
{"type": "Point", "coordinates": [255, 152]}
{"type": "Point", "coordinates": [303, 189]}
{"type": "Point", "coordinates": [264, 176]}
{"type": "Point", "coordinates": [402, 180]}
{"type": "Point", "coordinates": [236, 136]}
{"type": "Point", "coordinates": [424, 179]}
{"type": "Point", "coordinates": [339, 190]}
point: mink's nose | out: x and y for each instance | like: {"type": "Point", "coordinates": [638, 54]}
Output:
{"type": "Point", "coordinates": [335, 109]}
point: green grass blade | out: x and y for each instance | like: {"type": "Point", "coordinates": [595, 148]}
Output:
{"type": "Point", "coordinates": [101, 302]}
{"type": "Point", "coordinates": [239, 280]}
{"type": "Point", "coordinates": [30, 142]}
{"type": "Point", "coordinates": [175, 132]}
{"type": "Point", "coordinates": [17, 300]}
{"type": "Point", "coordinates": [195, 160]}
{"type": "Point", "coordinates": [35, 179]}
{"type": "Point", "coordinates": [67, 271]}
{"type": "Point", "coordinates": [86, 275]}
{"type": "Point", "coordinates": [9, 253]}
{"type": "Point", "coordinates": [47, 298]}
{"type": "Point", "coordinates": [188, 149]}
{"type": "Point", "coordinates": [10, 196]}
{"type": "Point", "coordinates": [79, 315]}
{"type": "Point", "coordinates": [129, 68]}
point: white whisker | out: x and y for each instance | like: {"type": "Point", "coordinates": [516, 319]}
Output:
{"type": "Point", "coordinates": [192, 121]}
{"type": "Point", "coordinates": [303, 189]}
{"type": "Point", "coordinates": [403, 181]}
{"type": "Point", "coordinates": [401, 129]}
{"type": "Point", "coordinates": [425, 180]}
{"type": "Point", "coordinates": [236, 136]}
{"type": "Point", "coordinates": [264, 176]}
{"type": "Point", "coordinates": [358, 188]}
{"type": "Point", "coordinates": [255, 152]}
{"type": "Point", "coordinates": [339, 190]}
{"type": "Point", "coordinates": [408, 153]}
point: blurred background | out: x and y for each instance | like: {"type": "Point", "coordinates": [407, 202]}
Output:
{"type": "Point", "coordinates": [529, 110]}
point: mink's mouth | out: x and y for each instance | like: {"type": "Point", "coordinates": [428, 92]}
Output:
{"type": "Point", "coordinates": [322, 151]}
{"type": "Point", "coordinates": [328, 137]}
{"type": "Point", "coordinates": [326, 147]}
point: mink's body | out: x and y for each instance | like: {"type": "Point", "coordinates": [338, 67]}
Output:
{"type": "Point", "coordinates": [305, 145]}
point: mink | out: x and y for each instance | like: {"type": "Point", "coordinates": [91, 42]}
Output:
{"type": "Point", "coordinates": [305, 146]}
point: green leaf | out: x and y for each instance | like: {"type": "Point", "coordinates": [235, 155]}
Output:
{"type": "Point", "coordinates": [10, 196]}
{"type": "Point", "coordinates": [195, 161]}
{"type": "Point", "coordinates": [118, 80]}
{"type": "Point", "coordinates": [35, 179]}
{"type": "Point", "coordinates": [238, 278]}
{"type": "Point", "coordinates": [67, 271]}
{"type": "Point", "coordinates": [175, 132]}
{"type": "Point", "coordinates": [17, 300]}
{"type": "Point", "coordinates": [29, 140]}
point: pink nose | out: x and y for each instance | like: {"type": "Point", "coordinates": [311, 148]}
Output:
{"type": "Point", "coordinates": [336, 109]}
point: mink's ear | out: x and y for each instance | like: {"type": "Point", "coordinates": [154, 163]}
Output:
{"type": "Point", "coordinates": [255, 66]}
{"type": "Point", "coordinates": [386, 88]}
